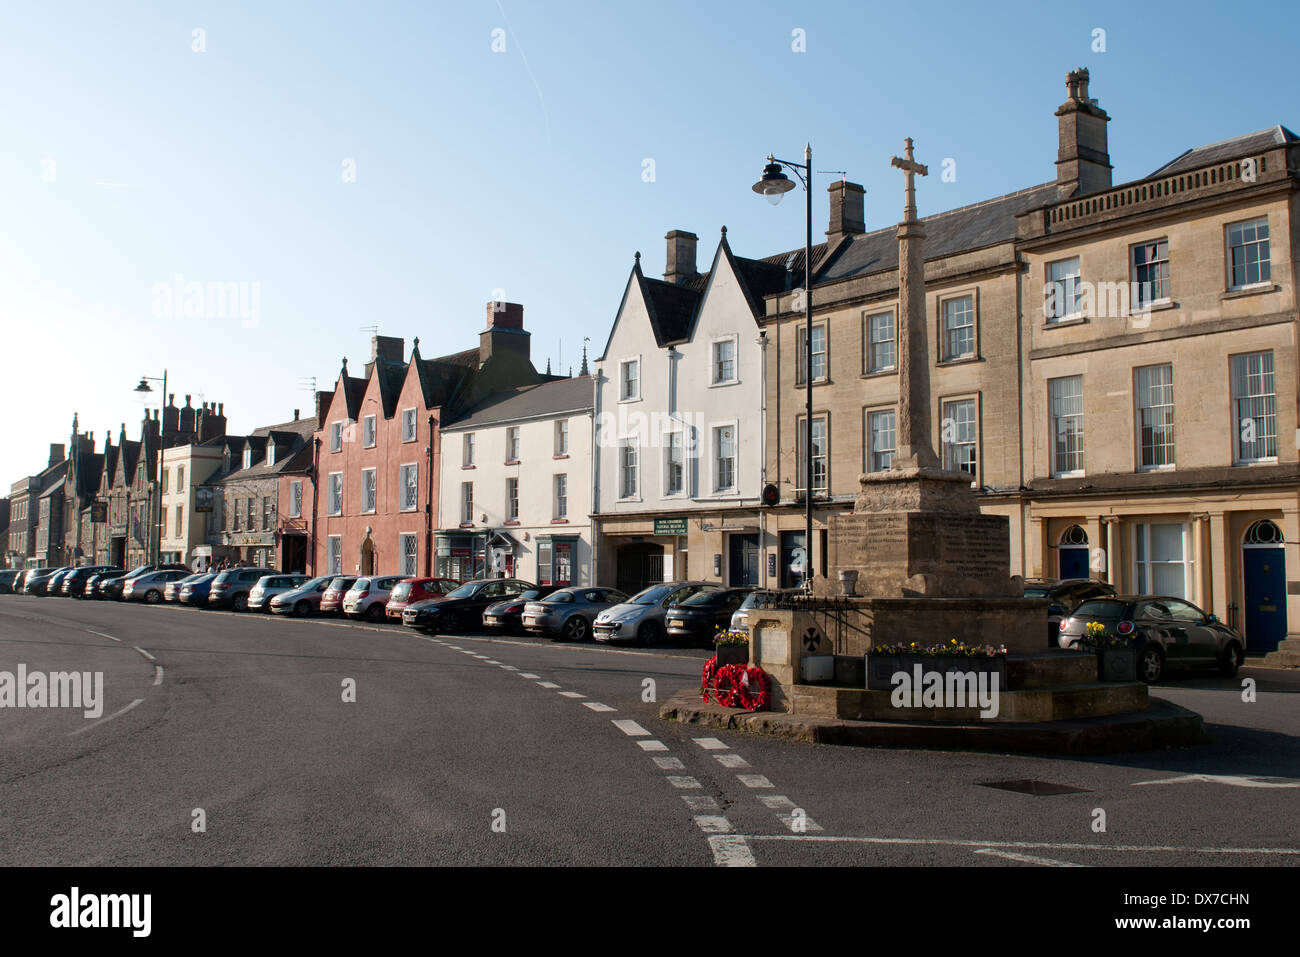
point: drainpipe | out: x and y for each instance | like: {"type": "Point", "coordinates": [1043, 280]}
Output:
{"type": "Point", "coordinates": [428, 505]}
{"type": "Point", "coordinates": [314, 475]}
{"type": "Point", "coordinates": [762, 452]}
{"type": "Point", "coordinates": [595, 476]}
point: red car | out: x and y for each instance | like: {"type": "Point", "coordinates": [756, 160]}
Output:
{"type": "Point", "coordinates": [331, 602]}
{"type": "Point", "coordinates": [410, 590]}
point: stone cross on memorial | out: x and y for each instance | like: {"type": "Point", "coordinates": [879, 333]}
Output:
{"type": "Point", "coordinates": [914, 448]}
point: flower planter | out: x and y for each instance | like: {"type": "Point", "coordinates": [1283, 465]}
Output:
{"type": "Point", "coordinates": [1116, 664]}
{"type": "Point", "coordinates": [732, 654]}
{"type": "Point", "coordinates": [882, 668]}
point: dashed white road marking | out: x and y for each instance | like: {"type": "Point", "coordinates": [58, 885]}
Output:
{"type": "Point", "coordinates": [776, 802]}
{"type": "Point", "coordinates": [157, 675]}
{"type": "Point", "coordinates": [731, 760]}
{"type": "Point", "coordinates": [491, 662]}
{"type": "Point", "coordinates": [754, 781]}
{"type": "Point", "coordinates": [700, 804]}
{"type": "Point", "coordinates": [550, 685]}
{"type": "Point", "coordinates": [526, 674]}
{"type": "Point", "coordinates": [711, 744]}
{"type": "Point", "coordinates": [1235, 780]}
{"type": "Point", "coordinates": [115, 714]}
{"type": "Point", "coordinates": [145, 653]}
{"type": "Point", "coordinates": [683, 782]}
{"type": "Point", "coordinates": [730, 850]}
{"type": "Point", "coordinates": [667, 764]}
{"type": "Point", "coordinates": [597, 706]}
{"type": "Point", "coordinates": [631, 728]}
{"type": "Point", "coordinates": [102, 635]}
{"type": "Point", "coordinates": [656, 746]}
{"type": "Point", "coordinates": [713, 824]}
{"type": "Point", "coordinates": [572, 694]}
{"type": "Point", "coordinates": [799, 823]}
{"type": "Point", "coordinates": [509, 668]}
{"type": "Point", "coordinates": [1026, 858]}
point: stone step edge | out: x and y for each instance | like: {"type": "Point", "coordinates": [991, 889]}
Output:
{"type": "Point", "coordinates": [1162, 725]}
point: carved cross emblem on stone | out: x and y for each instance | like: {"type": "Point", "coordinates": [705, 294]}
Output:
{"type": "Point", "coordinates": [910, 167]}
{"type": "Point", "coordinates": [812, 639]}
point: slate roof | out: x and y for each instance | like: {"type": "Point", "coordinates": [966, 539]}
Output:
{"type": "Point", "coordinates": [1237, 146]}
{"type": "Point", "coordinates": [531, 401]}
{"type": "Point", "coordinates": [671, 307]}
{"type": "Point", "coordinates": [290, 439]}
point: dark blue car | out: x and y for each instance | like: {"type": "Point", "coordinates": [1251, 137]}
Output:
{"type": "Point", "coordinates": [196, 592]}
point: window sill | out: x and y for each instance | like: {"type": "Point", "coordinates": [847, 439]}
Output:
{"type": "Point", "coordinates": [561, 455]}
{"type": "Point", "coordinates": [1255, 289]}
{"type": "Point", "coordinates": [1068, 475]}
{"type": "Point", "coordinates": [466, 468]}
{"type": "Point", "coordinates": [800, 384]}
{"type": "Point", "coordinates": [408, 441]}
{"type": "Point", "coordinates": [724, 384]}
{"type": "Point", "coordinates": [1064, 322]}
{"type": "Point", "coordinates": [559, 521]}
{"type": "Point", "coordinates": [510, 462]}
{"type": "Point", "coordinates": [1155, 468]}
{"type": "Point", "coordinates": [959, 361]}
{"type": "Point", "coordinates": [880, 373]}
{"type": "Point", "coordinates": [512, 522]}
{"type": "Point", "coordinates": [1250, 463]}
{"type": "Point", "coordinates": [465, 525]}
{"type": "Point", "coordinates": [633, 398]}
{"type": "Point", "coordinates": [1158, 305]}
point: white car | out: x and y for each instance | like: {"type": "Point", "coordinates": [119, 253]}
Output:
{"type": "Point", "coordinates": [368, 596]}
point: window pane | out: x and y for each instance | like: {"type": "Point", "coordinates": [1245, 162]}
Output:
{"type": "Point", "coordinates": [959, 327]}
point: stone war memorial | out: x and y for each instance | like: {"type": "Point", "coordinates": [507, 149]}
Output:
{"type": "Point", "coordinates": [917, 561]}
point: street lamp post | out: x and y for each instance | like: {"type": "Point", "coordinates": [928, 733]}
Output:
{"type": "Point", "coordinates": [154, 546]}
{"type": "Point", "coordinates": [772, 186]}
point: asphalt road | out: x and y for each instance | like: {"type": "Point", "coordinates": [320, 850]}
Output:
{"type": "Point", "coordinates": [475, 750]}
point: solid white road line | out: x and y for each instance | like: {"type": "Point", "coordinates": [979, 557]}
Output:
{"type": "Point", "coordinates": [143, 652]}
{"type": "Point", "coordinates": [1026, 858]}
{"type": "Point", "coordinates": [683, 782]}
{"type": "Point", "coordinates": [667, 764]}
{"type": "Point", "coordinates": [655, 746]}
{"type": "Point", "coordinates": [730, 850]}
{"type": "Point", "coordinates": [115, 714]}
{"type": "Point", "coordinates": [731, 760]}
{"type": "Point", "coordinates": [711, 744]}
{"type": "Point", "coordinates": [597, 706]}
{"type": "Point", "coordinates": [1029, 845]}
{"type": "Point", "coordinates": [631, 728]}
{"type": "Point", "coordinates": [754, 781]}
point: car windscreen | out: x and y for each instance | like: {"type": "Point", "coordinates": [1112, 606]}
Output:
{"type": "Point", "coordinates": [464, 591]}
{"type": "Point", "coordinates": [1101, 608]}
{"type": "Point", "coordinates": [558, 598]}
{"type": "Point", "coordinates": [651, 595]}
{"type": "Point", "coordinates": [703, 596]}
{"type": "Point", "coordinates": [401, 590]}
{"type": "Point", "coordinates": [1036, 591]}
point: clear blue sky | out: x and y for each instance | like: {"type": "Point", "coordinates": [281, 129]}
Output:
{"type": "Point", "coordinates": [518, 173]}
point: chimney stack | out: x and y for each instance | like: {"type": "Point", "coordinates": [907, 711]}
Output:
{"type": "Point", "coordinates": [848, 211]}
{"type": "Point", "coordinates": [680, 264]}
{"type": "Point", "coordinates": [1083, 156]}
{"type": "Point", "coordinates": [56, 453]}
{"type": "Point", "coordinates": [504, 333]}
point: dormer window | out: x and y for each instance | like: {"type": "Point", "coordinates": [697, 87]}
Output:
{"type": "Point", "coordinates": [270, 453]}
{"type": "Point", "coordinates": [248, 457]}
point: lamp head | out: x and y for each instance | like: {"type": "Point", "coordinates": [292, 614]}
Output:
{"type": "Point", "coordinates": [773, 184]}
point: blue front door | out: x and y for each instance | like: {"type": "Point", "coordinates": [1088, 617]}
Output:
{"type": "Point", "coordinates": [1074, 562]}
{"type": "Point", "coordinates": [1265, 573]}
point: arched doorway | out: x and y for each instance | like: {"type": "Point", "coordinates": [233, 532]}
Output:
{"type": "Point", "coordinates": [1072, 553]}
{"type": "Point", "coordinates": [1263, 572]}
{"type": "Point", "coordinates": [367, 557]}
{"type": "Point", "coordinates": [639, 565]}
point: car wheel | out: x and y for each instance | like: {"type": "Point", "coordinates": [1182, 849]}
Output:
{"type": "Point", "coordinates": [1231, 659]}
{"type": "Point", "coordinates": [1152, 664]}
{"type": "Point", "coordinates": [648, 633]}
{"type": "Point", "coordinates": [152, 597]}
{"type": "Point", "coordinates": [452, 623]}
{"type": "Point", "coordinates": [375, 612]}
{"type": "Point", "coordinates": [302, 609]}
{"type": "Point", "coordinates": [575, 629]}
{"type": "Point", "coordinates": [239, 603]}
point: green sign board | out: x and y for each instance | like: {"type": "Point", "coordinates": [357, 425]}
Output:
{"type": "Point", "coordinates": [670, 526]}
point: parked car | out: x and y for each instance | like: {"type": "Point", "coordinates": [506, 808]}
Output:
{"type": "Point", "coordinates": [759, 598]}
{"type": "Point", "coordinates": [368, 596]}
{"type": "Point", "coordinates": [149, 586]}
{"type": "Point", "coordinates": [20, 582]}
{"type": "Point", "coordinates": [195, 590]}
{"type": "Point", "coordinates": [54, 587]}
{"type": "Point", "coordinates": [39, 579]}
{"type": "Point", "coordinates": [698, 617]}
{"type": "Point", "coordinates": [462, 608]}
{"type": "Point", "coordinates": [172, 592]}
{"type": "Point", "coordinates": [331, 600]}
{"type": "Point", "coordinates": [641, 617]}
{"type": "Point", "coordinates": [7, 577]}
{"type": "Point", "coordinates": [74, 583]}
{"type": "Point", "coordinates": [113, 587]}
{"type": "Point", "coordinates": [302, 599]}
{"type": "Point", "coordinates": [410, 590]}
{"type": "Point", "coordinates": [568, 612]}
{"type": "Point", "coordinates": [1065, 595]}
{"type": "Point", "coordinates": [1166, 632]}
{"type": "Point", "coordinates": [269, 586]}
{"type": "Point", "coordinates": [507, 615]}
{"type": "Point", "coordinates": [231, 587]}
{"type": "Point", "coordinates": [95, 584]}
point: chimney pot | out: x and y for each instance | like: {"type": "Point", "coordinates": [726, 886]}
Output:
{"type": "Point", "coordinates": [1083, 155]}
{"type": "Point", "coordinates": [680, 263]}
{"type": "Point", "coordinates": [505, 315]}
{"type": "Point", "coordinates": [295, 415]}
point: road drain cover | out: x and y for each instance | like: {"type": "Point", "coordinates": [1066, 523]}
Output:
{"type": "Point", "coordinates": [1037, 788]}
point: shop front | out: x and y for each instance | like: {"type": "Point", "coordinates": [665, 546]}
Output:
{"type": "Point", "coordinates": [462, 555]}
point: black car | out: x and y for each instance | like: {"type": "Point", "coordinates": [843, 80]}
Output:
{"type": "Point", "coordinates": [231, 587]}
{"type": "Point", "coordinates": [38, 580]}
{"type": "Point", "coordinates": [1165, 631]}
{"type": "Point", "coordinates": [463, 608]}
{"type": "Point", "coordinates": [74, 583]}
{"type": "Point", "coordinates": [697, 618]}
{"type": "Point", "coordinates": [507, 614]}
{"type": "Point", "coordinates": [7, 577]}
{"type": "Point", "coordinates": [1065, 595]}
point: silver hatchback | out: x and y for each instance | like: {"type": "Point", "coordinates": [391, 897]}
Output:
{"type": "Point", "coordinates": [568, 612]}
{"type": "Point", "coordinates": [268, 586]}
{"type": "Point", "coordinates": [641, 617]}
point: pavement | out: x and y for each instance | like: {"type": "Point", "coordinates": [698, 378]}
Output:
{"type": "Point", "coordinates": [471, 749]}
